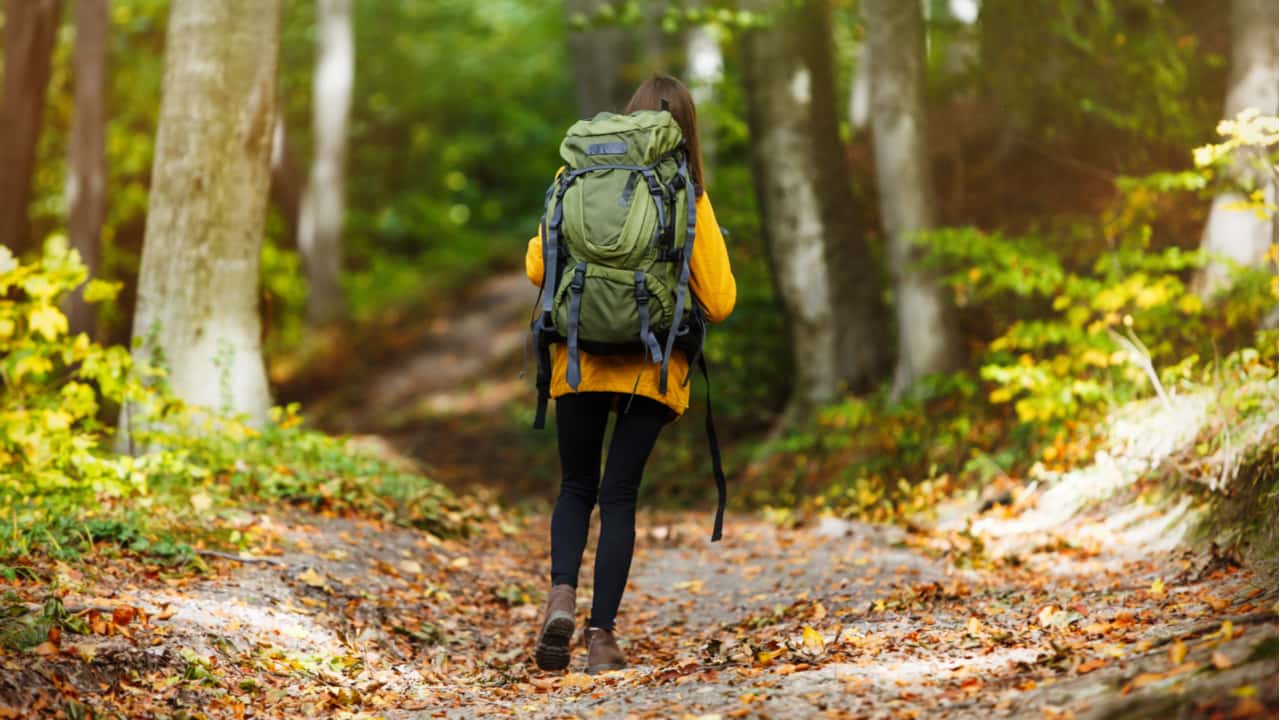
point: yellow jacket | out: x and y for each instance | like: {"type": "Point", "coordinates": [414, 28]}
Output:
{"type": "Point", "coordinates": [712, 282]}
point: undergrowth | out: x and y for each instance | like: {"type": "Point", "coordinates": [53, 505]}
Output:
{"type": "Point", "coordinates": [63, 490]}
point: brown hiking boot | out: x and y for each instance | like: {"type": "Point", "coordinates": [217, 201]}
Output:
{"type": "Point", "coordinates": [603, 653]}
{"type": "Point", "coordinates": [556, 629]}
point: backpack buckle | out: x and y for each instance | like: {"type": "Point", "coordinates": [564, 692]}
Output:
{"type": "Point", "coordinates": [579, 279]}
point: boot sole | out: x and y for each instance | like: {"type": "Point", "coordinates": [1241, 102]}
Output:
{"type": "Point", "coordinates": [553, 642]}
{"type": "Point", "coordinates": [597, 669]}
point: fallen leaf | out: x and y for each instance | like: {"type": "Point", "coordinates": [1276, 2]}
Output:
{"type": "Point", "coordinates": [1177, 653]}
{"type": "Point", "coordinates": [1046, 614]}
{"type": "Point", "coordinates": [974, 626]}
{"type": "Point", "coordinates": [1157, 588]}
{"type": "Point", "coordinates": [814, 644]}
{"type": "Point", "coordinates": [1249, 708]}
{"type": "Point", "coordinates": [123, 615]}
{"type": "Point", "coordinates": [313, 578]}
{"type": "Point", "coordinates": [1220, 660]}
{"type": "Point", "coordinates": [1090, 666]}
{"type": "Point", "coordinates": [579, 681]}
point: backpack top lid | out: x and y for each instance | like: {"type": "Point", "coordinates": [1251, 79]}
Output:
{"type": "Point", "coordinates": [640, 138]}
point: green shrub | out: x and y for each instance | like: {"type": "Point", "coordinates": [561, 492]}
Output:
{"type": "Point", "coordinates": [59, 478]}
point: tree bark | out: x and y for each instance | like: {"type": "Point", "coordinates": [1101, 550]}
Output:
{"type": "Point", "coordinates": [287, 182]}
{"type": "Point", "coordinates": [1238, 236]}
{"type": "Point", "coordinates": [599, 56]}
{"type": "Point", "coordinates": [927, 342]}
{"type": "Point", "coordinates": [87, 180]}
{"type": "Point", "coordinates": [860, 93]}
{"type": "Point", "coordinates": [323, 204]}
{"type": "Point", "coordinates": [825, 276]}
{"type": "Point", "coordinates": [30, 31]}
{"type": "Point", "coordinates": [197, 309]}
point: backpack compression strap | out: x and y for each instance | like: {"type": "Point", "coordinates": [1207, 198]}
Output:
{"type": "Point", "coordinates": [573, 374]}
{"type": "Point", "coordinates": [682, 289]}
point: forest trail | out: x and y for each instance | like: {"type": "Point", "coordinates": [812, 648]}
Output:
{"type": "Point", "coordinates": [1047, 607]}
{"type": "Point", "coordinates": [357, 618]}
{"type": "Point", "coordinates": [444, 399]}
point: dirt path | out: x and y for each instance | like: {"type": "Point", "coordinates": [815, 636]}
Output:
{"type": "Point", "coordinates": [354, 618]}
{"type": "Point", "coordinates": [1058, 606]}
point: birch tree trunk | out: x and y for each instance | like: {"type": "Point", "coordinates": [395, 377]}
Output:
{"type": "Point", "coordinates": [824, 274]}
{"type": "Point", "coordinates": [860, 93]}
{"type": "Point", "coordinates": [323, 203]}
{"type": "Point", "coordinates": [30, 31]}
{"type": "Point", "coordinates": [1234, 235]}
{"type": "Point", "coordinates": [927, 341]}
{"type": "Point", "coordinates": [197, 310]}
{"type": "Point", "coordinates": [87, 181]}
{"type": "Point", "coordinates": [598, 56]}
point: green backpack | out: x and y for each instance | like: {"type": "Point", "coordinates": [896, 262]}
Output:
{"type": "Point", "coordinates": [618, 232]}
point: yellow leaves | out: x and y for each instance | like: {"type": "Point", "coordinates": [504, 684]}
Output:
{"type": "Point", "coordinates": [812, 641]}
{"type": "Point", "coordinates": [974, 627]}
{"type": "Point", "coordinates": [577, 681]}
{"type": "Point", "coordinates": [100, 291]}
{"type": "Point", "coordinates": [313, 578]}
{"type": "Point", "coordinates": [693, 586]}
{"type": "Point", "coordinates": [48, 321]}
{"type": "Point", "coordinates": [1157, 589]}
{"type": "Point", "coordinates": [1190, 304]}
{"type": "Point", "coordinates": [1177, 653]}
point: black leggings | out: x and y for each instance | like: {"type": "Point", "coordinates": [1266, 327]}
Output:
{"type": "Point", "coordinates": [580, 426]}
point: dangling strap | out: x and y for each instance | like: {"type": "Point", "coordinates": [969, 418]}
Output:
{"type": "Point", "coordinates": [543, 381]}
{"type": "Point", "coordinates": [647, 338]}
{"type": "Point", "coordinates": [717, 469]}
{"type": "Point", "coordinates": [682, 289]}
{"type": "Point", "coordinates": [574, 372]}
{"type": "Point", "coordinates": [550, 276]}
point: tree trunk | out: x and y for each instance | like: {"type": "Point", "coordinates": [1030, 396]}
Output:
{"type": "Point", "coordinates": [1238, 236]}
{"type": "Point", "coordinates": [860, 93]}
{"type": "Point", "coordinates": [286, 180]}
{"type": "Point", "coordinates": [705, 62]}
{"type": "Point", "coordinates": [320, 222]}
{"type": "Point", "coordinates": [87, 180]}
{"type": "Point", "coordinates": [30, 31]}
{"type": "Point", "coordinates": [599, 56]}
{"type": "Point", "coordinates": [926, 329]}
{"type": "Point", "coordinates": [827, 281]}
{"type": "Point", "coordinates": [197, 309]}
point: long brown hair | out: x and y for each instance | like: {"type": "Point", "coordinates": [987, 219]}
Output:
{"type": "Point", "coordinates": [649, 96]}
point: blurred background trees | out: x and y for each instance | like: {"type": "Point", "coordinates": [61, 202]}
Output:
{"type": "Point", "coordinates": [978, 194]}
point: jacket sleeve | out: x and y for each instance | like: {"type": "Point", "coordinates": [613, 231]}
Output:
{"type": "Point", "coordinates": [710, 274]}
{"type": "Point", "coordinates": [533, 260]}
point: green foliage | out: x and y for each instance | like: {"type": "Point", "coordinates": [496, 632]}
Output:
{"type": "Point", "coordinates": [439, 177]}
{"type": "Point", "coordinates": [1249, 142]}
{"type": "Point", "coordinates": [53, 382]}
{"type": "Point", "coordinates": [1126, 77]}
{"type": "Point", "coordinates": [63, 487]}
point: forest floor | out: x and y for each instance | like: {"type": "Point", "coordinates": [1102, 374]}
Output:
{"type": "Point", "coordinates": [1077, 598]}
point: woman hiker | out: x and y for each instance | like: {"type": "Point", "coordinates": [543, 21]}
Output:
{"type": "Point", "coordinates": [628, 385]}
